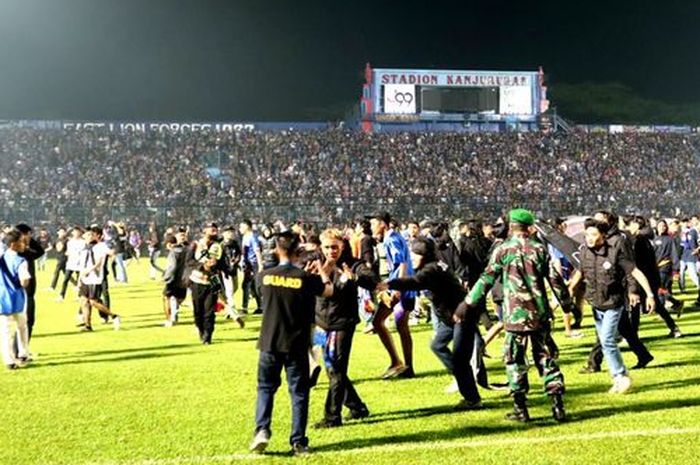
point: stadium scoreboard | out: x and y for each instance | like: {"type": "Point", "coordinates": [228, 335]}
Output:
{"type": "Point", "coordinates": [447, 96]}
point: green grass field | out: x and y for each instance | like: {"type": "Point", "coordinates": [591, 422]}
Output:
{"type": "Point", "coordinates": [154, 395]}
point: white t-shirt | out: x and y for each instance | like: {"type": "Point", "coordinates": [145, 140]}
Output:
{"type": "Point", "coordinates": [74, 247]}
{"type": "Point", "coordinates": [88, 260]}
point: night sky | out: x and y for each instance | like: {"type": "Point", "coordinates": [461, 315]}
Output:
{"type": "Point", "coordinates": [294, 60]}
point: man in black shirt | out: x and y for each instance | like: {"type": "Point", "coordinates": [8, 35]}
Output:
{"type": "Point", "coordinates": [606, 267]}
{"type": "Point", "coordinates": [61, 257]}
{"type": "Point", "coordinates": [288, 296]}
{"type": "Point", "coordinates": [338, 315]}
{"type": "Point", "coordinates": [446, 293]}
{"type": "Point", "coordinates": [32, 252]}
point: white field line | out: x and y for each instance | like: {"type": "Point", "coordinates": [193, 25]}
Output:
{"type": "Point", "coordinates": [407, 447]}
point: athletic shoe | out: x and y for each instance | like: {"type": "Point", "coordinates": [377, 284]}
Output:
{"type": "Point", "coordinates": [117, 322]}
{"type": "Point", "coordinates": [357, 414]}
{"type": "Point", "coordinates": [12, 366]}
{"type": "Point", "coordinates": [575, 335]}
{"type": "Point", "coordinates": [325, 424]}
{"type": "Point", "coordinates": [675, 333]}
{"type": "Point", "coordinates": [465, 404]}
{"type": "Point", "coordinates": [260, 441]}
{"type": "Point", "coordinates": [59, 299]}
{"type": "Point", "coordinates": [86, 329]}
{"type": "Point", "coordinates": [240, 322]}
{"type": "Point", "coordinates": [642, 363]}
{"type": "Point", "coordinates": [299, 450]}
{"type": "Point", "coordinates": [258, 311]}
{"type": "Point", "coordinates": [23, 361]}
{"type": "Point", "coordinates": [168, 324]}
{"type": "Point", "coordinates": [453, 388]}
{"type": "Point", "coordinates": [368, 329]}
{"type": "Point", "coordinates": [621, 385]}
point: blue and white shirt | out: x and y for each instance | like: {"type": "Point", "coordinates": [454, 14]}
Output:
{"type": "Point", "coordinates": [397, 253]}
{"type": "Point", "coordinates": [12, 295]}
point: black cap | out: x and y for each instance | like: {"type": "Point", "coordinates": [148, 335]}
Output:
{"type": "Point", "coordinates": [211, 224]}
{"type": "Point", "coordinates": [229, 227]}
{"type": "Point", "coordinates": [380, 215]}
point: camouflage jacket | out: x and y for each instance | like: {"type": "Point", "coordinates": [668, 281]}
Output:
{"type": "Point", "coordinates": [522, 265]}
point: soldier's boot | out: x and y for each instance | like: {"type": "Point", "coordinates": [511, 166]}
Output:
{"type": "Point", "coordinates": [519, 412]}
{"type": "Point", "coordinates": [558, 411]}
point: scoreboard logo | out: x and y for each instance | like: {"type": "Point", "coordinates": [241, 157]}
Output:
{"type": "Point", "coordinates": [399, 98]}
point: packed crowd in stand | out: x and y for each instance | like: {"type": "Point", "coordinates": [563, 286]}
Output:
{"type": "Point", "coordinates": [314, 281]}
{"type": "Point", "coordinates": [332, 176]}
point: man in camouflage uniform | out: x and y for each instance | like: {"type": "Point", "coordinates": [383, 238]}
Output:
{"type": "Point", "coordinates": [522, 265]}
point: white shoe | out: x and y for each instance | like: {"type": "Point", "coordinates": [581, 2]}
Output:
{"type": "Point", "coordinates": [59, 299]}
{"type": "Point", "coordinates": [117, 322]}
{"type": "Point", "coordinates": [260, 442]}
{"type": "Point", "coordinates": [168, 324]}
{"type": "Point", "coordinates": [452, 388]}
{"type": "Point", "coordinates": [621, 385]}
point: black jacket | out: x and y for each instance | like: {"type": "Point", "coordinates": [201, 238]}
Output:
{"type": "Point", "coordinates": [340, 311]}
{"type": "Point", "coordinates": [31, 254]}
{"type": "Point", "coordinates": [474, 256]}
{"type": "Point", "coordinates": [175, 269]}
{"type": "Point", "coordinates": [269, 257]}
{"type": "Point", "coordinates": [232, 257]}
{"type": "Point", "coordinates": [665, 251]}
{"type": "Point", "coordinates": [605, 271]}
{"type": "Point", "coordinates": [645, 260]}
{"type": "Point", "coordinates": [445, 290]}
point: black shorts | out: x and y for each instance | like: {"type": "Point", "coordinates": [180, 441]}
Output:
{"type": "Point", "coordinates": [91, 291]}
{"type": "Point", "coordinates": [175, 291]}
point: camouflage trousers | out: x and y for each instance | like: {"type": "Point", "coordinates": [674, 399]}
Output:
{"type": "Point", "coordinates": [515, 358]}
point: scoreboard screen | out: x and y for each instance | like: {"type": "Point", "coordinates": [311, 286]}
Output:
{"type": "Point", "coordinates": [459, 100]}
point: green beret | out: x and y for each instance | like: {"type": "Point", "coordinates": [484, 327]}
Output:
{"type": "Point", "coordinates": [522, 216]}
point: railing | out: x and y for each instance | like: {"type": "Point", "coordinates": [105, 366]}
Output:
{"type": "Point", "coordinates": [332, 211]}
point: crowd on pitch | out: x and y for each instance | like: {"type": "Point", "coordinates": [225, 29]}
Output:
{"type": "Point", "coordinates": [313, 288]}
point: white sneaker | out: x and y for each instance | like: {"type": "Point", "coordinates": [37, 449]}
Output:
{"type": "Point", "coordinates": [117, 322]}
{"type": "Point", "coordinates": [168, 324]}
{"type": "Point", "coordinates": [452, 388]}
{"type": "Point", "coordinates": [621, 385]}
{"type": "Point", "coordinates": [260, 442]}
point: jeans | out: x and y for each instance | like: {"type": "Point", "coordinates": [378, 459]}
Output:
{"type": "Point", "coordinates": [296, 365]}
{"type": "Point", "coordinates": [340, 389]}
{"type": "Point", "coordinates": [120, 274]}
{"type": "Point", "coordinates": [606, 322]}
{"type": "Point", "coordinates": [459, 360]}
{"type": "Point", "coordinates": [692, 268]}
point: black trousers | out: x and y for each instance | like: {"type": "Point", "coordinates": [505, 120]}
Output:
{"type": "Point", "coordinates": [340, 389]}
{"type": "Point", "coordinates": [60, 268]}
{"type": "Point", "coordinates": [629, 329]}
{"type": "Point", "coordinates": [249, 288]}
{"type": "Point", "coordinates": [68, 277]}
{"type": "Point", "coordinates": [204, 304]}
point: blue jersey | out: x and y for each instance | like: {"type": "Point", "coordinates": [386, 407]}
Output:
{"type": "Point", "coordinates": [397, 252]}
{"type": "Point", "coordinates": [689, 242]}
{"type": "Point", "coordinates": [250, 244]}
{"type": "Point", "coordinates": [12, 296]}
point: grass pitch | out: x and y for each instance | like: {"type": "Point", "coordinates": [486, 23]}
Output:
{"type": "Point", "coordinates": [149, 395]}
